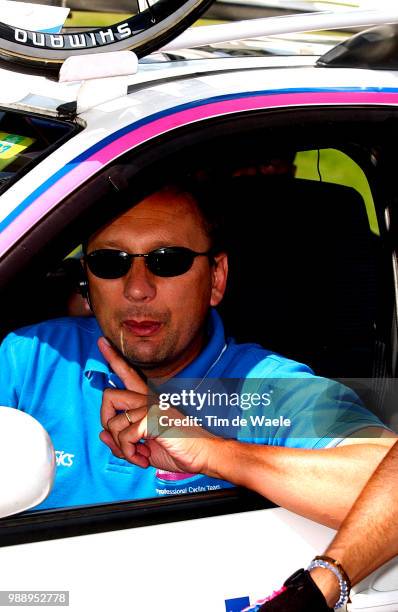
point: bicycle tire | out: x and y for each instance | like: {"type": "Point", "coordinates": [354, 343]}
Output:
{"type": "Point", "coordinates": [142, 33]}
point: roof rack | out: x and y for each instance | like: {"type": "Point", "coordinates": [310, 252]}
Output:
{"type": "Point", "coordinates": [288, 24]}
{"type": "Point", "coordinates": [47, 52]}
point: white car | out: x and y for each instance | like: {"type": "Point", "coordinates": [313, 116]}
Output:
{"type": "Point", "coordinates": [309, 146]}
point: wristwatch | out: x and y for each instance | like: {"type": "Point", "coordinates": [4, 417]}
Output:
{"type": "Point", "coordinates": [299, 594]}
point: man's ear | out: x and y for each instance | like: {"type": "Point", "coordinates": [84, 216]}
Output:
{"type": "Point", "coordinates": [219, 278]}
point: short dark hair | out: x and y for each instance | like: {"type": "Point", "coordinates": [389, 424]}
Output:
{"type": "Point", "coordinates": [206, 197]}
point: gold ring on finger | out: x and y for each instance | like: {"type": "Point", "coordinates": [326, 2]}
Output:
{"type": "Point", "coordinates": [128, 417]}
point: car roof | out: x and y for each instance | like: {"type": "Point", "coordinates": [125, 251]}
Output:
{"type": "Point", "coordinates": [170, 83]}
{"type": "Point", "coordinates": [44, 95]}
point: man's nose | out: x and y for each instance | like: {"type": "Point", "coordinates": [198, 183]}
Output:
{"type": "Point", "coordinates": [139, 283]}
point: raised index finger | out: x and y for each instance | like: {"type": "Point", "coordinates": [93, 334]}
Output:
{"type": "Point", "coordinates": [126, 373]}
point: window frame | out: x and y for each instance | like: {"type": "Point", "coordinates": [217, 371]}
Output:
{"type": "Point", "coordinates": [71, 216]}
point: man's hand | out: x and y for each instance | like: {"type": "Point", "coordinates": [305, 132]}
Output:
{"type": "Point", "coordinates": [175, 449]}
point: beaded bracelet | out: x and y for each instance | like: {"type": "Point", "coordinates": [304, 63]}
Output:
{"type": "Point", "coordinates": [338, 571]}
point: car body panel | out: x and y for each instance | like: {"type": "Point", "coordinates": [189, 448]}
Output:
{"type": "Point", "coordinates": [147, 114]}
{"type": "Point", "coordinates": [179, 566]}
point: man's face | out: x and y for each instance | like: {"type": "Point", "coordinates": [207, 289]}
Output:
{"type": "Point", "coordinates": [157, 322]}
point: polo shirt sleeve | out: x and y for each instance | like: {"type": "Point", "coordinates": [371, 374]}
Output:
{"type": "Point", "coordinates": [304, 411]}
{"type": "Point", "coordinates": [10, 372]}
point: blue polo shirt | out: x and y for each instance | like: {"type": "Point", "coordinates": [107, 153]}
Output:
{"type": "Point", "coordinates": [55, 372]}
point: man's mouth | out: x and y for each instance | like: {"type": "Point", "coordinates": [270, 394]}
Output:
{"type": "Point", "coordinates": [142, 328]}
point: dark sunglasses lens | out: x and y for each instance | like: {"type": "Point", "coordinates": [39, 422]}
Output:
{"type": "Point", "coordinates": [170, 262]}
{"type": "Point", "coordinates": [108, 264]}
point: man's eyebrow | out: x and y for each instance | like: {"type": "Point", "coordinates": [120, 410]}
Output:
{"type": "Point", "coordinates": [109, 243]}
{"type": "Point", "coordinates": [158, 243]}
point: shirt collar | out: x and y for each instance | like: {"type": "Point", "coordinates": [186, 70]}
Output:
{"type": "Point", "coordinates": [198, 368]}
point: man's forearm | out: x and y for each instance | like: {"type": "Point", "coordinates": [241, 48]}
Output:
{"type": "Point", "coordinates": [319, 484]}
{"type": "Point", "coordinates": [369, 535]}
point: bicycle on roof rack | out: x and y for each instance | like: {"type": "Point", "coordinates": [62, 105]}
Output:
{"type": "Point", "coordinates": [160, 22]}
{"type": "Point", "coordinates": [162, 25]}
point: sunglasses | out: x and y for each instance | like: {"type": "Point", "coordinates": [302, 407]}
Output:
{"type": "Point", "coordinates": [166, 261]}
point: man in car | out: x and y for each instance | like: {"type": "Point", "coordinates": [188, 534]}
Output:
{"type": "Point", "coordinates": [155, 275]}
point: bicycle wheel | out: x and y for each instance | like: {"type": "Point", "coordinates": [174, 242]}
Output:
{"type": "Point", "coordinates": [142, 33]}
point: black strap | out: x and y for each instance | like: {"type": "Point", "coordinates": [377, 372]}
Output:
{"type": "Point", "coordinates": [301, 595]}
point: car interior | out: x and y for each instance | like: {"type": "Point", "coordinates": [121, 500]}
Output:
{"type": "Point", "coordinates": [310, 277]}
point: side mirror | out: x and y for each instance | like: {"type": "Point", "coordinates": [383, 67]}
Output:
{"type": "Point", "coordinates": [27, 462]}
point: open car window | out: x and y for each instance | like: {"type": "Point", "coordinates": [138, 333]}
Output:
{"type": "Point", "coordinates": [307, 240]}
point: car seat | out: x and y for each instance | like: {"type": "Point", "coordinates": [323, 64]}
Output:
{"type": "Point", "coordinates": [304, 272]}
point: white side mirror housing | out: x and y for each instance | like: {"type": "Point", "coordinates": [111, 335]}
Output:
{"type": "Point", "coordinates": [27, 462]}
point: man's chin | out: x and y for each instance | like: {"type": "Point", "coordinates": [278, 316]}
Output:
{"type": "Point", "coordinates": [144, 360]}
{"type": "Point", "coordinates": [143, 365]}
